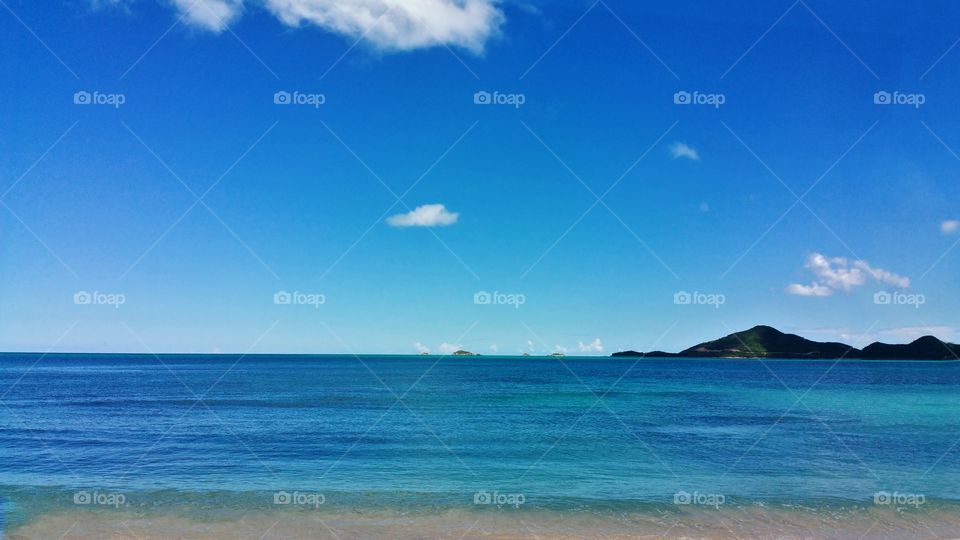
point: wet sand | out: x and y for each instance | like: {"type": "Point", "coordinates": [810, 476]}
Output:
{"type": "Point", "coordinates": [694, 523]}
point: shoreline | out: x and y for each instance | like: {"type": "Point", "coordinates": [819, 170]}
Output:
{"type": "Point", "coordinates": [686, 523]}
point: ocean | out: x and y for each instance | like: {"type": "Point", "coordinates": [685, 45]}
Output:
{"type": "Point", "coordinates": [338, 446]}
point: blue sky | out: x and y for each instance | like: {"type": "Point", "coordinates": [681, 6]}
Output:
{"type": "Point", "coordinates": [703, 198]}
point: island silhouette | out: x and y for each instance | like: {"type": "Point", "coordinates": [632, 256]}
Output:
{"type": "Point", "coordinates": [767, 342]}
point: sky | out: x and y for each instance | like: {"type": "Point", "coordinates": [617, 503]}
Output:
{"type": "Point", "coordinates": [400, 176]}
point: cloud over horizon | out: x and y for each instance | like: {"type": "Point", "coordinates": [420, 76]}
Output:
{"type": "Point", "coordinates": [594, 346]}
{"type": "Point", "coordinates": [398, 25]}
{"type": "Point", "coordinates": [426, 215]}
{"type": "Point", "coordinates": [450, 348]}
{"type": "Point", "coordinates": [842, 274]}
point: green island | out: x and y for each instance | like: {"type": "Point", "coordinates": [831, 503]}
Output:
{"type": "Point", "coordinates": [767, 342]}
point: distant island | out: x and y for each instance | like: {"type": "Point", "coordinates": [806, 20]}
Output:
{"type": "Point", "coordinates": [768, 342]}
{"type": "Point", "coordinates": [462, 352]}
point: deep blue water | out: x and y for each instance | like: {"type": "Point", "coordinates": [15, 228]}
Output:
{"type": "Point", "coordinates": [424, 431]}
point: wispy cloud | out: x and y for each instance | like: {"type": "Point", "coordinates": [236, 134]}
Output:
{"type": "Point", "coordinates": [213, 15]}
{"type": "Point", "coordinates": [683, 150]}
{"type": "Point", "coordinates": [841, 274]}
{"type": "Point", "coordinates": [421, 348]}
{"type": "Point", "coordinates": [399, 25]}
{"type": "Point", "coordinates": [427, 215]}
{"type": "Point", "coordinates": [950, 226]}
{"type": "Point", "coordinates": [593, 346]}
{"type": "Point", "coordinates": [814, 289]}
{"type": "Point", "coordinates": [450, 348]}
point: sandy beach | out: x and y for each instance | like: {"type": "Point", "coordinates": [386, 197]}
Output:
{"type": "Point", "coordinates": [733, 523]}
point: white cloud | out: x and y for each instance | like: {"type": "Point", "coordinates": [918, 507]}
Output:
{"type": "Point", "coordinates": [427, 215]}
{"type": "Point", "coordinates": [450, 348]}
{"type": "Point", "coordinates": [593, 346]}
{"type": "Point", "coordinates": [813, 289]}
{"type": "Point", "coordinates": [530, 345]}
{"type": "Point", "coordinates": [398, 25]}
{"type": "Point", "coordinates": [949, 226]}
{"type": "Point", "coordinates": [839, 273]}
{"type": "Point", "coordinates": [494, 348]}
{"type": "Point", "coordinates": [683, 150]}
{"type": "Point", "coordinates": [123, 5]}
{"type": "Point", "coordinates": [560, 349]}
{"type": "Point", "coordinates": [421, 348]}
{"type": "Point", "coordinates": [883, 276]}
{"type": "Point", "coordinates": [835, 272]}
{"type": "Point", "coordinates": [214, 15]}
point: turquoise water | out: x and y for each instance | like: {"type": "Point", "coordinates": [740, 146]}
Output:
{"type": "Point", "coordinates": [425, 433]}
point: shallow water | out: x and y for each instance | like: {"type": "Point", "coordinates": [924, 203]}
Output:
{"type": "Point", "coordinates": [700, 448]}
